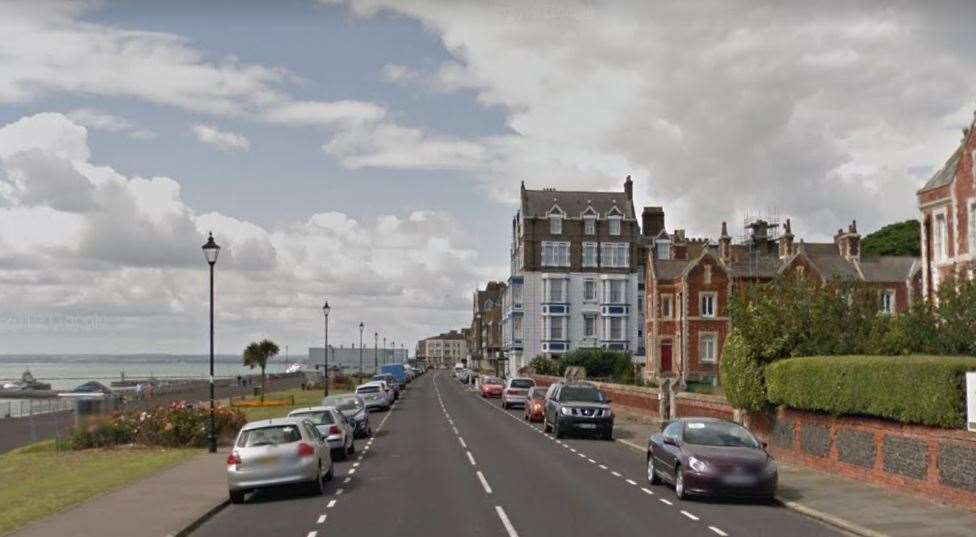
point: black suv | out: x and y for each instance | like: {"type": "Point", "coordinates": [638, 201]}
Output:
{"type": "Point", "coordinates": [578, 406]}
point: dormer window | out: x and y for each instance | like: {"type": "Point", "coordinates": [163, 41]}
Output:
{"type": "Point", "coordinates": [589, 221]}
{"type": "Point", "coordinates": [555, 224]}
{"type": "Point", "coordinates": [614, 224]}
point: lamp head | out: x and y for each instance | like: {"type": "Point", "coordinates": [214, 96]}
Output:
{"type": "Point", "coordinates": [211, 249]}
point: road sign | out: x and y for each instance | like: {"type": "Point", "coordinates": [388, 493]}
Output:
{"type": "Point", "coordinates": [971, 400]}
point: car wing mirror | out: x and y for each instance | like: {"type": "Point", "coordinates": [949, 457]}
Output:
{"type": "Point", "coordinates": [608, 401]}
{"type": "Point", "coordinates": [765, 444]}
{"type": "Point", "coordinates": [670, 441]}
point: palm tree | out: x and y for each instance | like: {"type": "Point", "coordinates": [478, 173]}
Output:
{"type": "Point", "coordinates": [257, 354]}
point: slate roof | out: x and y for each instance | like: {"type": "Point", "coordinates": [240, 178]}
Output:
{"type": "Point", "coordinates": [670, 269]}
{"type": "Point", "coordinates": [887, 268]}
{"type": "Point", "coordinates": [946, 174]}
{"type": "Point", "coordinates": [538, 202]}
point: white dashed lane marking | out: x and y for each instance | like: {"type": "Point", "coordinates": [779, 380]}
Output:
{"type": "Point", "coordinates": [331, 504]}
{"type": "Point", "coordinates": [484, 482]}
{"type": "Point", "coordinates": [321, 519]}
{"type": "Point", "coordinates": [718, 531]}
{"type": "Point", "coordinates": [506, 522]}
{"type": "Point", "coordinates": [689, 515]}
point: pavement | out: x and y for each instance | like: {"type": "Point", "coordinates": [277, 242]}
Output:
{"type": "Point", "coordinates": [445, 462]}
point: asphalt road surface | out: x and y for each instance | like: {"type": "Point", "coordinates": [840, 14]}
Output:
{"type": "Point", "coordinates": [445, 463]}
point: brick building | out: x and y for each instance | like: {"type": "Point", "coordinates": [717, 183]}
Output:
{"type": "Point", "coordinates": [575, 275]}
{"type": "Point", "coordinates": [689, 283]}
{"type": "Point", "coordinates": [947, 203]}
{"type": "Point", "coordinates": [485, 334]}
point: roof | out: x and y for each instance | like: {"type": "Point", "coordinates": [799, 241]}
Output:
{"type": "Point", "coordinates": [945, 175]}
{"type": "Point", "coordinates": [887, 268]}
{"type": "Point", "coordinates": [670, 269]}
{"type": "Point", "coordinates": [759, 266]}
{"type": "Point", "coordinates": [272, 421]}
{"type": "Point", "coordinates": [536, 203]}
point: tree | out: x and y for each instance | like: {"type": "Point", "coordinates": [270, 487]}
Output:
{"type": "Point", "coordinates": [902, 238]}
{"type": "Point", "coordinates": [257, 354]}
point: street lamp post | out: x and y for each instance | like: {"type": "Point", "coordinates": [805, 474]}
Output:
{"type": "Point", "coordinates": [210, 252]}
{"type": "Point", "coordinates": [361, 326]}
{"type": "Point", "coordinates": [325, 310]}
{"type": "Point", "coordinates": [384, 352]}
{"type": "Point", "coordinates": [376, 356]}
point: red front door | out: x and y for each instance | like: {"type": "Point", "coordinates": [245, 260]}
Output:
{"type": "Point", "coordinates": [665, 357]}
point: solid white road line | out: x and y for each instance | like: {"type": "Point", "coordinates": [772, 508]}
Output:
{"type": "Point", "coordinates": [665, 502]}
{"type": "Point", "coordinates": [506, 522]}
{"type": "Point", "coordinates": [321, 519]}
{"type": "Point", "coordinates": [331, 504]}
{"type": "Point", "coordinates": [718, 531]}
{"type": "Point", "coordinates": [484, 482]}
{"type": "Point", "coordinates": [689, 515]}
{"type": "Point", "coordinates": [471, 458]}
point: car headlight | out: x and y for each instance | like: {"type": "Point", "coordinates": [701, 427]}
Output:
{"type": "Point", "coordinates": [771, 467]}
{"type": "Point", "coordinates": [566, 411]}
{"type": "Point", "coordinates": [697, 465]}
{"type": "Point", "coordinates": [608, 413]}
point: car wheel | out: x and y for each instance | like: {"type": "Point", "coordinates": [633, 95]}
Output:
{"type": "Point", "coordinates": [352, 447]}
{"type": "Point", "coordinates": [559, 430]}
{"type": "Point", "coordinates": [608, 436]}
{"type": "Point", "coordinates": [504, 405]}
{"type": "Point", "coordinates": [652, 477]}
{"type": "Point", "coordinates": [236, 496]}
{"type": "Point", "coordinates": [545, 426]}
{"type": "Point", "coordinates": [329, 476]}
{"type": "Point", "coordinates": [679, 483]}
{"type": "Point", "coordinates": [316, 487]}
{"type": "Point", "coordinates": [339, 454]}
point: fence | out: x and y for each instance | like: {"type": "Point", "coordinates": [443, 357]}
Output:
{"type": "Point", "coordinates": [30, 407]}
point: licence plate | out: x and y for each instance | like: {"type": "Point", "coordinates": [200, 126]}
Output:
{"type": "Point", "coordinates": [739, 480]}
{"type": "Point", "coordinates": [587, 426]}
{"type": "Point", "coordinates": [268, 460]}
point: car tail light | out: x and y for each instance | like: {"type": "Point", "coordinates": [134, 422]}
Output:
{"type": "Point", "coordinates": [233, 459]}
{"type": "Point", "coordinates": [334, 430]}
{"type": "Point", "coordinates": [305, 450]}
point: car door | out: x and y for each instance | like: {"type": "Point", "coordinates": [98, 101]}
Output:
{"type": "Point", "coordinates": [551, 411]}
{"type": "Point", "coordinates": [669, 452]}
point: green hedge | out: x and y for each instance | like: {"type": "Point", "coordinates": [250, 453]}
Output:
{"type": "Point", "coordinates": [742, 375]}
{"type": "Point", "coordinates": [910, 389]}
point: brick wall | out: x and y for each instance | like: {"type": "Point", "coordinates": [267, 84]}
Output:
{"type": "Point", "coordinates": [700, 405]}
{"type": "Point", "coordinates": [634, 398]}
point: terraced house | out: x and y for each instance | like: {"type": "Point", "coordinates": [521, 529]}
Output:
{"type": "Point", "coordinates": [485, 334]}
{"type": "Point", "coordinates": [575, 275]}
{"type": "Point", "coordinates": [947, 203]}
{"type": "Point", "coordinates": [690, 282]}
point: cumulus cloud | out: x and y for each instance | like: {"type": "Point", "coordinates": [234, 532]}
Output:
{"type": "Point", "coordinates": [211, 135]}
{"type": "Point", "coordinates": [81, 239]}
{"type": "Point", "coordinates": [820, 111]}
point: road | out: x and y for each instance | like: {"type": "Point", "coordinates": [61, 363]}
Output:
{"type": "Point", "coordinates": [445, 462]}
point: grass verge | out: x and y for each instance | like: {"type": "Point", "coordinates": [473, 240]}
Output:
{"type": "Point", "coordinates": [303, 398]}
{"type": "Point", "coordinates": [38, 480]}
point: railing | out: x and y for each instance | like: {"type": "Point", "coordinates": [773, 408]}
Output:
{"type": "Point", "coordinates": [32, 407]}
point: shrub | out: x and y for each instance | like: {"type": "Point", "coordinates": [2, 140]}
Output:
{"type": "Point", "coordinates": [927, 390]}
{"type": "Point", "coordinates": [176, 425]}
{"type": "Point", "coordinates": [545, 366]}
{"type": "Point", "coordinates": [600, 364]}
{"type": "Point", "coordinates": [742, 375]}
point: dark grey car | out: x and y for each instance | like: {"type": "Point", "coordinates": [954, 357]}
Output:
{"type": "Point", "coordinates": [578, 407]}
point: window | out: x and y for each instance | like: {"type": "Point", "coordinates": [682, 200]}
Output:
{"type": "Point", "coordinates": [706, 348]}
{"type": "Point", "coordinates": [589, 291]}
{"type": "Point", "coordinates": [616, 328]}
{"type": "Point", "coordinates": [666, 306]}
{"type": "Point", "coordinates": [888, 301]}
{"type": "Point", "coordinates": [663, 249]}
{"type": "Point", "coordinates": [555, 224]}
{"type": "Point", "coordinates": [517, 294]}
{"type": "Point", "coordinates": [589, 325]}
{"type": "Point", "coordinates": [555, 254]}
{"type": "Point", "coordinates": [555, 290]}
{"type": "Point", "coordinates": [589, 254]}
{"type": "Point", "coordinates": [614, 291]}
{"type": "Point", "coordinates": [939, 239]}
{"type": "Point", "coordinates": [554, 327]}
{"type": "Point", "coordinates": [589, 225]}
{"type": "Point", "coordinates": [706, 302]}
{"type": "Point", "coordinates": [614, 225]}
{"type": "Point", "coordinates": [615, 254]}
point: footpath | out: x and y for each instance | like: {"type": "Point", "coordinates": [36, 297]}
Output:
{"type": "Point", "coordinates": [167, 504]}
{"type": "Point", "coordinates": [850, 505]}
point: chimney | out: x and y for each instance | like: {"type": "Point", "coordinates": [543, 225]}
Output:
{"type": "Point", "coordinates": [652, 221]}
{"type": "Point", "coordinates": [679, 245]}
{"type": "Point", "coordinates": [786, 241]}
{"type": "Point", "coordinates": [629, 188]}
{"type": "Point", "coordinates": [725, 244]}
{"type": "Point", "coordinates": [849, 243]}
{"type": "Point", "coordinates": [760, 235]}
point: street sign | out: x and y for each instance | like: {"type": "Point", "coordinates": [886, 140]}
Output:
{"type": "Point", "coordinates": [971, 400]}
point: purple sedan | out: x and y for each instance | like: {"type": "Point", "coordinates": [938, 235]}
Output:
{"type": "Point", "coordinates": [711, 457]}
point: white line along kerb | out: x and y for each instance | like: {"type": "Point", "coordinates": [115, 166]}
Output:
{"type": "Point", "coordinates": [506, 522]}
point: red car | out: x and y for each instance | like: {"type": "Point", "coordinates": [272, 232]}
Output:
{"type": "Point", "coordinates": [535, 405]}
{"type": "Point", "coordinates": [492, 387]}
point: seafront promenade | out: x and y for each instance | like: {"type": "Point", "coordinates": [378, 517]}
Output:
{"type": "Point", "coordinates": [18, 432]}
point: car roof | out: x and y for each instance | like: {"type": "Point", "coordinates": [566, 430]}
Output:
{"type": "Point", "coordinates": [271, 423]}
{"type": "Point", "coordinates": [579, 384]}
{"type": "Point", "coordinates": [377, 384]}
{"type": "Point", "coordinates": [704, 419]}
{"type": "Point", "coordinates": [311, 409]}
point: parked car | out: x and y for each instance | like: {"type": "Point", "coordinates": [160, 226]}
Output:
{"type": "Point", "coordinates": [354, 409]}
{"type": "Point", "coordinates": [333, 426]}
{"type": "Point", "coordinates": [398, 372]}
{"type": "Point", "coordinates": [390, 384]}
{"type": "Point", "coordinates": [711, 457]}
{"type": "Point", "coordinates": [578, 407]}
{"type": "Point", "coordinates": [535, 405]}
{"type": "Point", "coordinates": [516, 391]}
{"type": "Point", "coordinates": [492, 387]}
{"type": "Point", "coordinates": [374, 395]}
{"type": "Point", "coordinates": [282, 451]}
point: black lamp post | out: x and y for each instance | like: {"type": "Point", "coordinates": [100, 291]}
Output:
{"type": "Point", "coordinates": [325, 311]}
{"type": "Point", "coordinates": [385, 357]}
{"type": "Point", "coordinates": [361, 327]}
{"type": "Point", "coordinates": [210, 252]}
{"type": "Point", "coordinates": [376, 356]}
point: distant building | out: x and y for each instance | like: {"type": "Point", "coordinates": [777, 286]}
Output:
{"type": "Point", "coordinates": [346, 359]}
{"type": "Point", "coordinates": [575, 275]}
{"type": "Point", "coordinates": [690, 282]}
{"type": "Point", "coordinates": [947, 204]}
{"type": "Point", "coordinates": [447, 348]}
{"type": "Point", "coordinates": [485, 334]}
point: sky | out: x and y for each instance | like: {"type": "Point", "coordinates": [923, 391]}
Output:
{"type": "Point", "coordinates": [369, 152]}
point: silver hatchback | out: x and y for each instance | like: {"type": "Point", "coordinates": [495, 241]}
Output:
{"type": "Point", "coordinates": [282, 451]}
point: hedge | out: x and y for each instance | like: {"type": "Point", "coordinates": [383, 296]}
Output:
{"type": "Point", "coordinates": [742, 375]}
{"type": "Point", "coordinates": [929, 390]}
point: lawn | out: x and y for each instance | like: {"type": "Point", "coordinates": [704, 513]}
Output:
{"type": "Point", "coordinates": [303, 398]}
{"type": "Point", "coordinates": [38, 480]}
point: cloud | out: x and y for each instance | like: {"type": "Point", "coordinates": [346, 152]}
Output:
{"type": "Point", "coordinates": [387, 145]}
{"type": "Point", "coordinates": [211, 135]}
{"type": "Point", "coordinates": [716, 108]}
{"type": "Point", "coordinates": [324, 113]}
{"type": "Point", "coordinates": [124, 252]}
{"type": "Point", "coordinates": [96, 119]}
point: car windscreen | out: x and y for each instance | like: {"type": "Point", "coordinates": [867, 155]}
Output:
{"type": "Point", "coordinates": [718, 434]}
{"type": "Point", "coordinates": [522, 384]}
{"type": "Point", "coordinates": [493, 381]}
{"type": "Point", "coordinates": [346, 404]}
{"type": "Point", "coordinates": [318, 417]}
{"type": "Point", "coordinates": [368, 389]}
{"type": "Point", "coordinates": [537, 394]}
{"type": "Point", "coordinates": [269, 436]}
{"type": "Point", "coordinates": [583, 394]}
